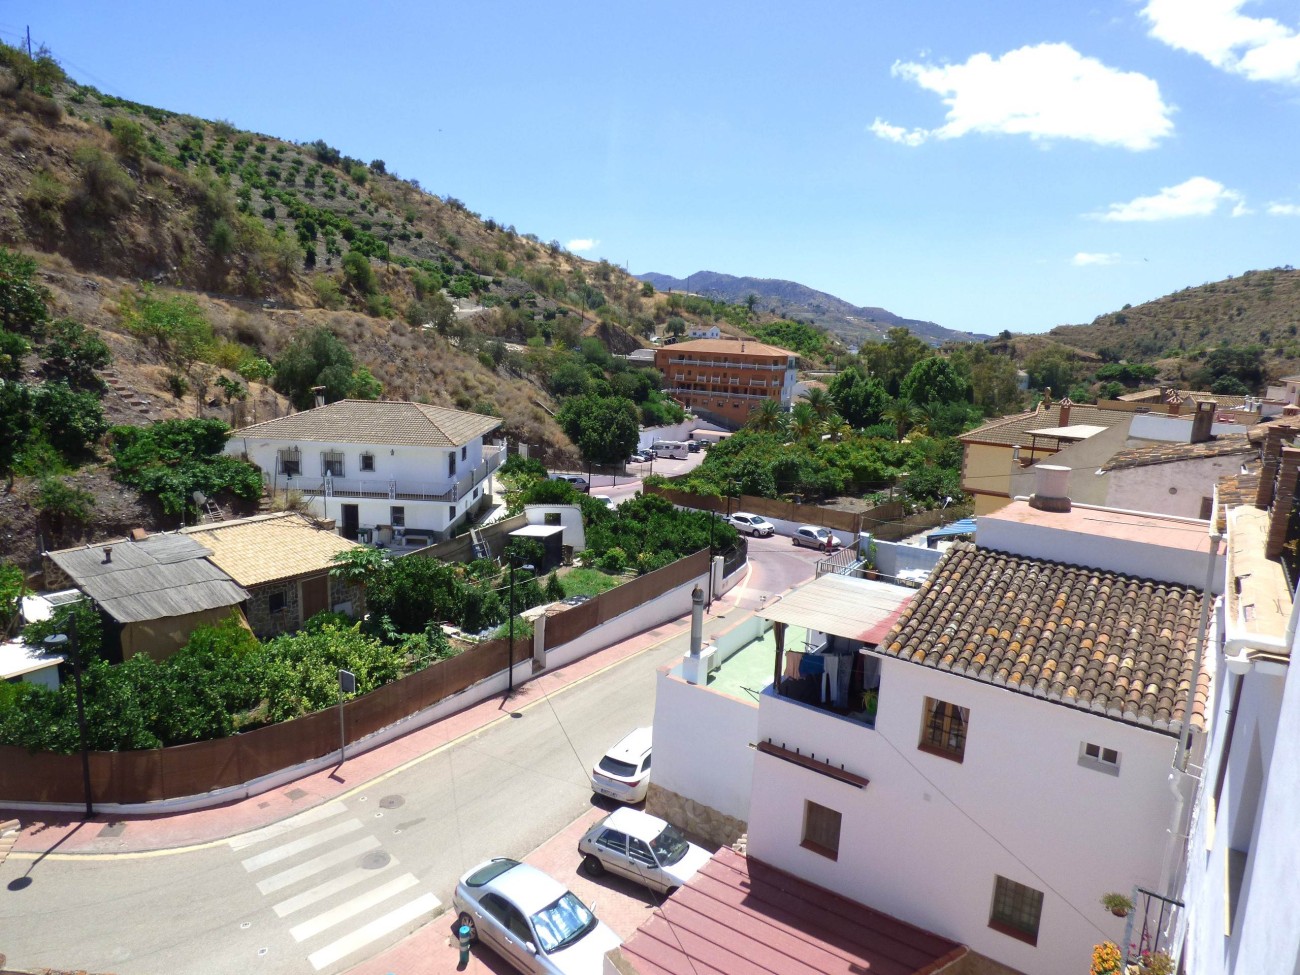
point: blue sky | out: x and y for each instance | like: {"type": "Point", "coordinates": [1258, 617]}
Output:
{"type": "Point", "coordinates": [982, 165]}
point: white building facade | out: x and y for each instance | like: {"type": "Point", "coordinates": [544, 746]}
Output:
{"type": "Point", "coordinates": [393, 473]}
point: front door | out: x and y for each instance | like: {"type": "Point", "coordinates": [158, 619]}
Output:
{"type": "Point", "coordinates": [351, 522]}
{"type": "Point", "coordinates": [315, 596]}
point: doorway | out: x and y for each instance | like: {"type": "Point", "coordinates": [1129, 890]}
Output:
{"type": "Point", "coordinates": [351, 522]}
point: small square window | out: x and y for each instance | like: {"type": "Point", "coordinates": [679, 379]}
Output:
{"type": "Point", "coordinates": [275, 602]}
{"type": "Point", "coordinates": [551, 517]}
{"type": "Point", "coordinates": [943, 729]}
{"type": "Point", "coordinates": [821, 830]}
{"type": "Point", "coordinates": [1094, 756]}
{"type": "Point", "coordinates": [368, 462]}
{"type": "Point", "coordinates": [1017, 910]}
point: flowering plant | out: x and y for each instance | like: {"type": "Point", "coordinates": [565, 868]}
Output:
{"type": "Point", "coordinates": [1106, 959]}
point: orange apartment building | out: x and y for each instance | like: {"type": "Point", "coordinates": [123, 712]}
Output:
{"type": "Point", "coordinates": [727, 378]}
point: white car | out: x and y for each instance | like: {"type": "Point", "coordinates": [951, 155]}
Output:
{"type": "Point", "coordinates": [812, 536]}
{"type": "Point", "coordinates": [642, 848]}
{"type": "Point", "coordinates": [604, 499]}
{"type": "Point", "coordinates": [749, 524]}
{"type": "Point", "coordinates": [623, 772]}
{"type": "Point", "coordinates": [531, 920]}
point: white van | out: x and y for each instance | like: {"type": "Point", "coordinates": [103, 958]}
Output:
{"type": "Point", "coordinates": [671, 448]}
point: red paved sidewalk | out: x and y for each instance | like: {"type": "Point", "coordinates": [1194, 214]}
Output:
{"type": "Point", "coordinates": [64, 834]}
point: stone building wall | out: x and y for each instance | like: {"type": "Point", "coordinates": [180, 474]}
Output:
{"type": "Point", "coordinates": [257, 609]}
{"type": "Point", "coordinates": [694, 817]}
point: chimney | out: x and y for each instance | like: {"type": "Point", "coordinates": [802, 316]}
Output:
{"type": "Point", "coordinates": [1174, 402]}
{"type": "Point", "coordinates": [108, 554]}
{"type": "Point", "coordinates": [1280, 517]}
{"type": "Point", "coordinates": [320, 395]}
{"type": "Point", "coordinates": [1269, 457]}
{"type": "Point", "coordinates": [1203, 421]}
{"type": "Point", "coordinates": [1053, 492]}
{"type": "Point", "coordinates": [1065, 405]}
{"type": "Point", "coordinates": [138, 534]}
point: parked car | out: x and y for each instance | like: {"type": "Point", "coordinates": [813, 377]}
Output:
{"type": "Point", "coordinates": [693, 446]}
{"type": "Point", "coordinates": [604, 499]}
{"type": "Point", "coordinates": [531, 920]}
{"type": "Point", "coordinates": [749, 524]}
{"type": "Point", "coordinates": [623, 772]}
{"type": "Point", "coordinates": [577, 480]}
{"type": "Point", "coordinates": [643, 848]}
{"type": "Point", "coordinates": [640, 457]}
{"type": "Point", "coordinates": [814, 537]}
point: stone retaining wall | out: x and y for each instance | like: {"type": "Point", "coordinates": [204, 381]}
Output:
{"type": "Point", "coordinates": [694, 817]}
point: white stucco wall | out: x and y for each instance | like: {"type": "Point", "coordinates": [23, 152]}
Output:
{"type": "Point", "coordinates": [419, 465]}
{"type": "Point", "coordinates": [1169, 489]}
{"type": "Point", "coordinates": [702, 740]}
{"type": "Point", "coordinates": [1178, 429]}
{"type": "Point", "coordinates": [926, 838]}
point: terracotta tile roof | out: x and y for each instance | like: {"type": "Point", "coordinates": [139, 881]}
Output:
{"type": "Point", "coordinates": [1010, 430]}
{"type": "Point", "coordinates": [255, 551]}
{"type": "Point", "coordinates": [1185, 396]}
{"type": "Point", "coordinates": [1169, 453]}
{"type": "Point", "coordinates": [740, 916]}
{"type": "Point", "coordinates": [728, 346]}
{"type": "Point", "coordinates": [1097, 640]}
{"type": "Point", "coordinates": [374, 421]}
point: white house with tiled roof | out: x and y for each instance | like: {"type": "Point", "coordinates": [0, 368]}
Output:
{"type": "Point", "coordinates": [393, 473]}
{"type": "Point", "coordinates": [986, 757]}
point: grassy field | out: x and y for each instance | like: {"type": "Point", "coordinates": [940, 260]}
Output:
{"type": "Point", "coordinates": [587, 582]}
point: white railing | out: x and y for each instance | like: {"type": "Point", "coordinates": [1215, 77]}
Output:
{"type": "Point", "coordinates": [709, 363]}
{"type": "Point", "coordinates": [394, 490]}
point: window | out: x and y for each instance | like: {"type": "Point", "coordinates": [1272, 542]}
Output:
{"type": "Point", "coordinates": [275, 602]}
{"type": "Point", "coordinates": [1094, 756]}
{"type": "Point", "coordinates": [614, 841]}
{"type": "Point", "coordinates": [821, 830]}
{"type": "Point", "coordinates": [464, 452]}
{"type": "Point", "coordinates": [331, 463]}
{"type": "Point", "coordinates": [397, 517]}
{"type": "Point", "coordinates": [1016, 910]}
{"type": "Point", "coordinates": [551, 517]}
{"type": "Point", "coordinates": [944, 730]}
{"type": "Point", "coordinates": [368, 462]}
{"type": "Point", "coordinates": [451, 512]}
{"type": "Point", "coordinates": [638, 851]}
{"type": "Point", "coordinates": [451, 464]}
{"type": "Point", "coordinates": [290, 462]}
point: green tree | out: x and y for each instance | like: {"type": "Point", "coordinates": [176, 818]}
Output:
{"type": "Point", "coordinates": [175, 322]}
{"type": "Point", "coordinates": [23, 302]}
{"type": "Point", "coordinates": [676, 326]}
{"type": "Point", "coordinates": [604, 428]}
{"type": "Point", "coordinates": [858, 398]}
{"type": "Point", "coordinates": [891, 360]}
{"type": "Point", "coordinates": [318, 358]}
{"type": "Point", "coordinates": [934, 380]}
{"type": "Point", "coordinates": [768, 417]}
{"type": "Point", "coordinates": [804, 422]}
{"type": "Point", "coordinates": [69, 421]}
{"type": "Point", "coordinates": [819, 400]}
{"type": "Point", "coordinates": [358, 273]}
{"type": "Point", "coordinates": [73, 354]}
{"type": "Point", "coordinates": [1050, 369]}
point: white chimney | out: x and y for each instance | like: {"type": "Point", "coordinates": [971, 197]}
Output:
{"type": "Point", "coordinates": [1053, 490]}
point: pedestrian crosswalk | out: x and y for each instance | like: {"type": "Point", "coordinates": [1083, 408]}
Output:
{"type": "Point", "coordinates": [326, 875]}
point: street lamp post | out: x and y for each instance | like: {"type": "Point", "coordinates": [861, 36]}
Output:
{"type": "Point", "coordinates": [56, 642]}
{"type": "Point", "coordinates": [510, 669]}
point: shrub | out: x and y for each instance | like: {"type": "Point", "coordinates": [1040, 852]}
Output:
{"type": "Point", "coordinates": [613, 561]}
{"type": "Point", "coordinates": [358, 274]}
{"type": "Point", "coordinates": [73, 354]}
{"type": "Point", "coordinates": [69, 420]}
{"type": "Point", "coordinates": [174, 458]}
{"type": "Point", "coordinates": [130, 139]}
{"type": "Point", "coordinates": [61, 502]}
{"type": "Point", "coordinates": [105, 191]}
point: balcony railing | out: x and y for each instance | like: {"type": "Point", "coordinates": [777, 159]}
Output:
{"type": "Point", "coordinates": [711, 364]}
{"type": "Point", "coordinates": [394, 490]}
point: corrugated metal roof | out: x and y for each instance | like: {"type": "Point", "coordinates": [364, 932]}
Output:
{"type": "Point", "coordinates": [255, 551]}
{"type": "Point", "coordinates": [158, 577]}
{"type": "Point", "coordinates": [839, 605]}
{"type": "Point", "coordinates": [740, 916]}
{"type": "Point", "coordinates": [373, 421]}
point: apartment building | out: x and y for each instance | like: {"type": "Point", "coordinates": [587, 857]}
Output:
{"type": "Point", "coordinates": [727, 379]}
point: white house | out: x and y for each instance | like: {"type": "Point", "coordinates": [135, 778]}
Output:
{"type": "Point", "coordinates": [1243, 858]}
{"type": "Point", "coordinates": [389, 472]}
{"type": "Point", "coordinates": [704, 332]}
{"type": "Point", "coordinates": [987, 756]}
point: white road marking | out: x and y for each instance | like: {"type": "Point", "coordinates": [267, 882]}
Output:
{"type": "Point", "coordinates": [352, 908]}
{"type": "Point", "coordinates": [291, 876]}
{"type": "Point", "coordinates": [327, 889]}
{"type": "Point", "coordinates": [377, 928]}
{"type": "Point", "coordinates": [293, 848]}
{"type": "Point", "coordinates": [306, 818]}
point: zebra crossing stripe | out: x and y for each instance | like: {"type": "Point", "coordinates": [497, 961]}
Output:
{"type": "Point", "coordinates": [291, 849]}
{"type": "Point", "coordinates": [377, 928]}
{"type": "Point", "coordinates": [327, 889]}
{"type": "Point", "coordinates": [323, 862]}
{"type": "Point", "coordinates": [306, 818]}
{"type": "Point", "coordinates": [337, 915]}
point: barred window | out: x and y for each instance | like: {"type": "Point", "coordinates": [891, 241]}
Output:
{"type": "Point", "coordinates": [331, 463]}
{"type": "Point", "coordinates": [821, 830]}
{"type": "Point", "coordinates": [290, 462]}
{"type": "Point", "coordinates": [368, 462]}
{"type": "Point", "coordinates": [943, 731]}
{"type": "Point", "coordinates": [1017, 909]}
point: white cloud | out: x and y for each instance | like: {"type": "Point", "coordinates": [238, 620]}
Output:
{"type": "Point", "coordinates": [579, 244]}
{"type": "Point", "coordinates": [1257, 48]}
{"type": "Point", "coordinates": [1196, 197]}
{"type": "Point", "coordinates": [1284, 210]}
{"type": "Point", "coordinates": [1048, 91]}
{"type": "Point", "coordinates": [1084, 259]}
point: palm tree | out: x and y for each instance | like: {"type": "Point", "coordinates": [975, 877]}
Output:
{"type": "Point", "coordinates": [820, 400]}
{"type": "Point", "coordinates": [837, 427]}
{"type": "Point", "coordinates": [768, 417]}
{"type": "Point", "coordinates": [803, 422]}
{"type": "Point", "coordinates": [902, 414]}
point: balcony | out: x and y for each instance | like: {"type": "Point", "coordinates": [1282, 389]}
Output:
{"type": "Point", "coordinates": [377, 489]}
{"type": "Point", "coordinates": [725, 392]}
{"type": "Point", "coordinates": [711, 364]}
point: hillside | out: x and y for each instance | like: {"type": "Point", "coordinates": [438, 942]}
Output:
{"type": "Point", "coordinates": [1255, 308]}
{"type": "Point", "coordinates": [851, 324]}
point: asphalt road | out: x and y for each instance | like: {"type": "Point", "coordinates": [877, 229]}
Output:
{"type": "Point", "coordinates": [361, 872]}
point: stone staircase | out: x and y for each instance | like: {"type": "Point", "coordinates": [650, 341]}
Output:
{"type": "Point", "coordinates": [132, 399]}
{"type": "Point", "coordinates": [9, 830]}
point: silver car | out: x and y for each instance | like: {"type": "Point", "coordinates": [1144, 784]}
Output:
{"type": "Point", "coordinates": [642, 848]}
{"type": "Point", "coordinates": [812, 536]}
{"type": "Point", "coordinates": [531, 920]}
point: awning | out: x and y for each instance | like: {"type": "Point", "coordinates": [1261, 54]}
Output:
{"type": "Point", "coordinates": [964, 527]}
{"type": "Point", "coordinates": [841, 606]}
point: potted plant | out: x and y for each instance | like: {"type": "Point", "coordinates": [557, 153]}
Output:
{"type": "Point", "coordinates": [1117, 904]}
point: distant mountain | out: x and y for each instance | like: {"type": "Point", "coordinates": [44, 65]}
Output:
{"type": "Point", "coordinates": [851, 324]}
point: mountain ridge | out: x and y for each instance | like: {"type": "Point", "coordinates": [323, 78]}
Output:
{"type": "Point", "coordinates": [851, 324]}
